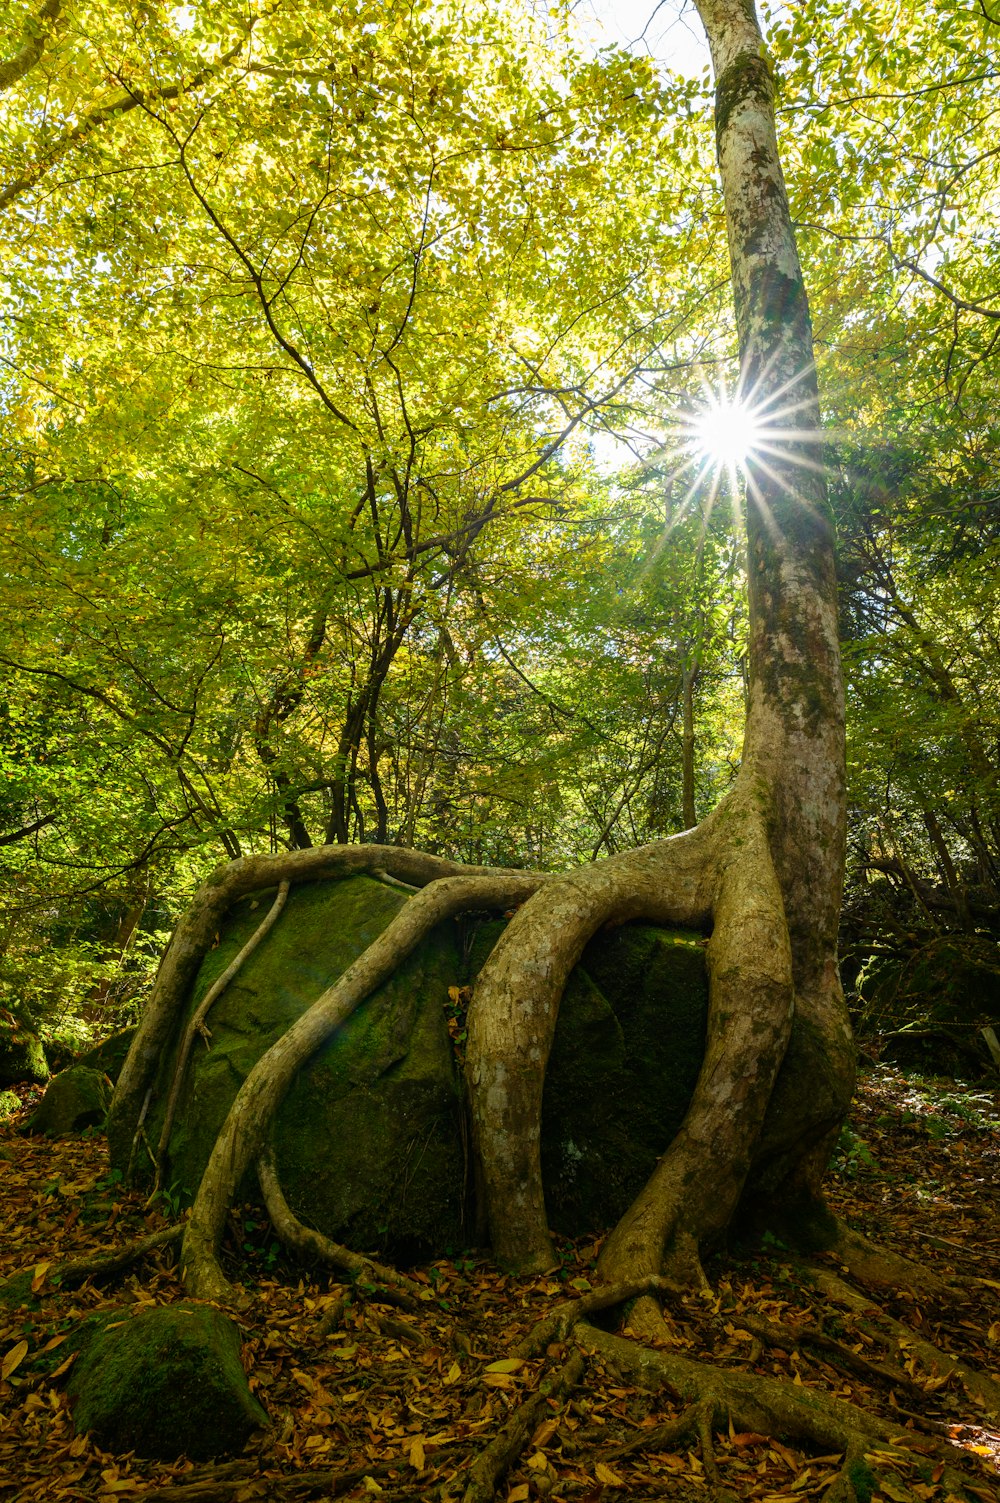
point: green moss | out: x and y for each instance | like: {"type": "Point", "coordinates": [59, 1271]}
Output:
{"type": "Point", "coordinates": [165, 1383]}
{"type": "Point", "coordinates": [863, 1480]}
{"type": "Point", "coordinates": [75, 1099]}
{"type": "Point", "coordinates": [22, 1057]}
{"type": "Point", "coordinates": [15, 1292]}
{"type": "Point", "coordinates": [748, 77]}
{"type": "Point", "coordinates": [625, 1059]}
{"type": "Point", "coordinates": [10, 1105]}
{"type": "Point", "coordinates": [370, 1140]}
{"type": "Point", "coordinates": [109, 1055]}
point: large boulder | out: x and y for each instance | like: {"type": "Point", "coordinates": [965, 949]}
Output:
{"type": "Point", "coordinates": [164, 1382]}
{"type": "Point", "coordinates": [74, 1099]}
{"type": "Point", "coordinates": [371, 1144]}
{"type": "Point", "coordinates": [22, 1057]}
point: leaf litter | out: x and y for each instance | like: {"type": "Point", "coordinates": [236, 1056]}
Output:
{"type": "Point", "coordinates": [365, 1405]}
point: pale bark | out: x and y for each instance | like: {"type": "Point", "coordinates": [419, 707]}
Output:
{"type": "Point", "coordinates": [514, 1009]}
{"type": "Point", "coordinates": [762, 874]}
{"type": "Point", "coordinates": [767, 867]}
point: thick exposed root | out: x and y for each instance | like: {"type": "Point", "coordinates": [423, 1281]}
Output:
{"type": "Point", "coordinates": [879, 1266]}
{"type": "Point", "coordinates": [695, 1188]}
{"type": "Point", "coordinates": [512, 1021]}
{"type": "Point", "coordinates": [836, 1353]}
{"type": "Point", "coordinates": [384, 1282]}
{"type": "Point", "coordinates": [557, 1325]}
{"type": "Point", "coordinates": [764, 1405]}
{"type": "Point", "coordinates": [504, 1449]}
{"type": "Point", "coordinates": [239, 1142]}
{"type": "Point", "coordinates": [935, 1362]}
{"type": "Point", "coordinates": [197, 930]}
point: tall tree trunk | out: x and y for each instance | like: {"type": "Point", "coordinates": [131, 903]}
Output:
{"type": "Point", "coordinates": [765, 871]}
{"type": "Point", "coordinates": [795, 721]}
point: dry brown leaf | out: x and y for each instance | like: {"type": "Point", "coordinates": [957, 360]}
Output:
{"type": "Point", "coordinates": [13, 1359]}
{"type": "Point", "coordinates": [607, 1476]}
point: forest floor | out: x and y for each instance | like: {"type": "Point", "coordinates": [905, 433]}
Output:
{"type": "Point", "coordinates": [367, 1403]}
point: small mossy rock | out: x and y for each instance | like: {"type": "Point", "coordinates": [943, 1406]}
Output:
{"type": "Point", "coordinates": [22, 1057]}
{"type": "Point", "coordinates": [10, 1105]}
{"type": "Point", "coordinates": [370, 1140]}
{"type": "Point", "coordinates": [164, 1382]}
{"type": "Point", "coordinates": [15, 1292]}
{"type": "Point", "coordinates": [109, 1055]}
{"type": "Point", "coordinates": [74, 1099]}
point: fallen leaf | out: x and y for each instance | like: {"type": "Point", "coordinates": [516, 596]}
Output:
{"type": "Point", "coordinates": [13, 1359]}
{"type": "Point", "coordinates": [607, 1476]}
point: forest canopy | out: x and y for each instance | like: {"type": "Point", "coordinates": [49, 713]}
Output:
{"type": "Point", "coordinates": [499, 542]}
{"type": "Point", "coordinates": [349, 491]}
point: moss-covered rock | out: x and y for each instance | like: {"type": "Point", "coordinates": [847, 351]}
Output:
{"type": "Point", "coordinates": [109, 1055]}
{"type": "Point", "coordinates": [164, 1382]}
{"type": "Point", "coordinates": [15, 1291]}
{"type": "Point", "coordinates": [74, 1099]}
{"type": "Point", "coordinates": [370, 1142]}
{"type": "Point", "coordinates": [9, 1105]}
{"type": "Point", "coordinates": [22, 1057]}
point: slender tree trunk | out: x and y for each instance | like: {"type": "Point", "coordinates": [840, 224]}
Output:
{"type": "Point", "coordinates": [689, 679]}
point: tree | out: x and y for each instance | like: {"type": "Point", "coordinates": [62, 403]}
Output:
{"type": "Point", "coordinates": [763, 871]}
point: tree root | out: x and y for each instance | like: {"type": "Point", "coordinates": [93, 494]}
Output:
{"type": "Point", "coordinates": [876, 1322]}
{"type": "Point", "coordinates": [196, 932]}
{"type": "Point", "coordinates": [879, 1266]}
{"type": "Point", "coordinates": [557, 1325]}
{"type": "Point", "coordinates": [765, 1405]}
{"type": "Point", "coordinates": [196, 1024]}
{"type": "Point", "coordinates": [768, 1406]}
{"type": "Point", "coordinates": [835, 1352]}
{"type": "Point", "coordinates": [658, 1437]}
{"type": "Point", "coordinates": [383, 1283]}
{"type": "Point", "coordinates": [239, 1141]}
{"type": "Point", "coordinates": [503, 1450]}
{"type": "Point", "coordinates": [98, 1266]}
